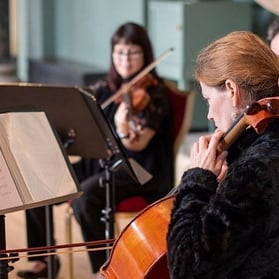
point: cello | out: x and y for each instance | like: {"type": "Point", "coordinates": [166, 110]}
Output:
{"type": "Point", "coordinates": [140, 251]}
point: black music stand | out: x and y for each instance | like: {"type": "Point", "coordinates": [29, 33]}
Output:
{"type": "Point", "coordinates": [81, 125]}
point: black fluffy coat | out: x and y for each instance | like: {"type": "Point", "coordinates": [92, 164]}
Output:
{"type": "Point", "coordinates": [232, 232]}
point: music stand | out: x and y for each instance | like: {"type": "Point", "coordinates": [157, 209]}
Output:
{"type": "Point", "coordinates": [80, 124]}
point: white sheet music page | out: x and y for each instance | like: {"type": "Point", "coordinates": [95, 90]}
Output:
{"type": "Point", "coordinates": [142, 174]}
{"type": "Point", "coordinates": [34, 157]}
{"type": "Point", "coordinates": [9, 196]}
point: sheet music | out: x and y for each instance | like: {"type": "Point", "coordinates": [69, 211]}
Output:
{"type": "Point", "coordinates": [35, 169]}
{"type": "Point", "coordinates": [9, 195]}
{"type": "Point", "coordinates": [142, 174]}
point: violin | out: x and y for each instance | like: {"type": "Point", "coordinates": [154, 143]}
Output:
{"type": "Point", "coordinates": [137, 100]}
{"type": "Point", "coordinates": [138, 97]}
{"type": "Point", "coordinates": [140, 251]}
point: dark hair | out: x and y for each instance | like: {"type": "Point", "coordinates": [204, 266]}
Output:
{"type": "Point", "coordinates": [130, 33]}
{"type": "Point", "coordinates": [272, 30]}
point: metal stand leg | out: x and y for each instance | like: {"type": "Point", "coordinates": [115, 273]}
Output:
{"type": "Point", "coordinates": [108, 211]}
{"type": "Point", "coordinates": [50, 228]}
{"type": "Point", "coordinates": [4, 268]}
{"type": "Point", "coordinates": [69, 239]}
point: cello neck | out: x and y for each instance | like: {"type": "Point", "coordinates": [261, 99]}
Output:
{"type": "Point", "coordinates": [232, 133]}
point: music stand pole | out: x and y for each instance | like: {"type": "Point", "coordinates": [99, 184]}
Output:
{"type": "Point", "coordinates": [108, 181]}
{"type": "Point", "coordinates": [3, 263]}
{"type": "Point", "coordinates": [49, 241]}
{"type": "Point", "coordinates": [108, 212]}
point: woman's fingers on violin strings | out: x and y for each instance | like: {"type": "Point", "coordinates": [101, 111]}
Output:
{"type": "Point", "coordinates": [120, 118]}
{"type": "Point", "coordinates": [122, 111]}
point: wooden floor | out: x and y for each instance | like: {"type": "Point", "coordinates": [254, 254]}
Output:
{"type": "Point", "coordinates": [16, 230]}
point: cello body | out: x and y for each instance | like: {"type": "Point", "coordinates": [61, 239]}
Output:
{"type": "Point", "coordinates": [140, 250]}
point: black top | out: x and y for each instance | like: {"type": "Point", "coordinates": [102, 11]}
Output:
{"type": "Point", "coordinates": [232, 233]}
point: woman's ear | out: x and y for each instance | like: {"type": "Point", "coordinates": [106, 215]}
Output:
{"type": "Point", "coordinates": [233, 90]}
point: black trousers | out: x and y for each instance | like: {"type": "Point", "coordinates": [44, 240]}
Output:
{"type": "Point", "coordinates": [37, 230]}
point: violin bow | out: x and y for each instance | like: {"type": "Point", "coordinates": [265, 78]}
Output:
{"type": "Point", "coordinates": [141, 74]}
{"type": "Point", "coordinates": [97, 245]}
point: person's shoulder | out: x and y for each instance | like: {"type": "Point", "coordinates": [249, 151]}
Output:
{"type": "Point", "coordinates": [99, 85]}
{"type": "Point", "coordinates": [159, 92]}
{"type": "Point", "coordinates": [101, 90]}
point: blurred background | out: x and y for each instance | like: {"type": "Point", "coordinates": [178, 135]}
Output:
{"type": "Point", "coordinates": [68, 41]}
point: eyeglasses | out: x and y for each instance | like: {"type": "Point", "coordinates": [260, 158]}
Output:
{"type": "Point", "coordinates": [130, 54]}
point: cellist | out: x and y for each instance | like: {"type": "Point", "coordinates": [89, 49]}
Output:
{"type": "Point", "coordinates": [224, 221]}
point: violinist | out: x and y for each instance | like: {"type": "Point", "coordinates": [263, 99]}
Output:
{"type": "Point", "coordinates": [224, 221]}
{"type": "Point", "coordinates": [143, 124]}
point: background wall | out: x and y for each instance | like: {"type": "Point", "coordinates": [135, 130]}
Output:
{"type": "Point", "coordinates": [80, 30]}
{"type": "Point", "coordinates": [75, 30]}
{"type": "Point", "coordinates": [83, 30]}
{"type": "Point", "coordinates": [4, 30]}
